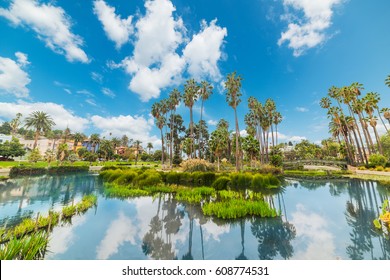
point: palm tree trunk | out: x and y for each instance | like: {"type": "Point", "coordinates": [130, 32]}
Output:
{"type": "Point", "coordinates": [237, 135]}
{"type": "Point", "coordinates": [378, 140]}
{"type": "Point", "coordinates": [272, 134]}
{"type": "Point", "coordinates": [171, 143]}
{"type": "Point", "coordinates": [162, 147]}
{"type": "Point", "coordinates": [366, 133]}
{"type": "Point", "coordinates": [36, 139]}
{"type": "Point", "coordinates": [380, 116]}
{"type": "Point", "coordinates": [192, 133]}
{"type": "Point", "coordinates": [200, 132]}
{"type": "Point", "coordinates": [362, 158]}
{"type": "Point", "coordinates": [276, 134]}
{"type": "Point", "coordinates": [359, 134]}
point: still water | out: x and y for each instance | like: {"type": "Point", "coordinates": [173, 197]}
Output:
{"type": "Point", "coordinates": [320, 220]}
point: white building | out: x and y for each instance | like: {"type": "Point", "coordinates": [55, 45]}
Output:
{"type": "Point", "coordinates": [4, 138]}
{"type": "Point", "coordinates": [44, 144]}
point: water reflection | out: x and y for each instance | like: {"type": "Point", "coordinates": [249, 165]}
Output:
{"type": "Point", "coordinates": [319, 220]}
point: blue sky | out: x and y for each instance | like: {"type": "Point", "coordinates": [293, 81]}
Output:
{"type": "Point", "coordinates": [98, 66]}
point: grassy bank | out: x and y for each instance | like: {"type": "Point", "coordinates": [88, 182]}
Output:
{"type": "Point", "coordinates": [315, 174]}
{"type": "Point", "coordinates": [17, 171]}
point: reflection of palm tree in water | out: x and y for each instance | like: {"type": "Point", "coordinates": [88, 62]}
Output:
{"type": "Point", "coordinates": [191, 215]}
{"type": "Point", "coordinates": [153, 241]}
{"type": "Point", "coordinates": [242, 255]}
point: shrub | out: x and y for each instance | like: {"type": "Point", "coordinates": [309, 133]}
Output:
{"type": "Point", "coordinates": [276, 160]}
{"type": "Point", "coordinates": [26, 171]}
{"type": "Point", "coordinates": [221, 183]}
{"type": "Point", "coordinates": [126, 178]}
{"type": "Point", "coordinates": [240, 181]}
{"type": "Point", "coordinates": [192, 165]}
{"type": "Point", "coordinates": [66, 169]}
{"type": "Point", "coordinates": [379, 168]}
{"type": "Point", "coordinates": [377, 160]}
{"type": "Point", "coordinates": [148, 178]}
{"type": "Point", "coordinates": [269, 169]}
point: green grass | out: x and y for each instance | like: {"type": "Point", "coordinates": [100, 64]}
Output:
{"type": "Point", "coordinates": [238, 208]}
{"type": "Point", "coordinates": [379, 178]}
{"type": "Point", "coordinates": [26, 248]}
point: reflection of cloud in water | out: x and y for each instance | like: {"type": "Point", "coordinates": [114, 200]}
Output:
{"type": "Point", "coordinates": [118, 232]}
{"type": "Point", "coordinates": [312, 231]}
{"type": "Point", "coordinates": [63, 237]}
{"type": "Point", "coordinates": [212, 230]}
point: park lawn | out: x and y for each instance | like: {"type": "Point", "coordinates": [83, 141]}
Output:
{"type": "Point", "coordinates": [380, 178]}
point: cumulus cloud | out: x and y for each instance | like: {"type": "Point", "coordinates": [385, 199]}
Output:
{"type": "Point", "coordinates": [13, 79]}
{"type": "Point", "coordinates": [156, 62]}
{"type": "Point", "coordinates": [203, 52]}
{"type": "Point", "coordinates": [51, 24]}
{"type": "Point", "coordinates": [117, 30]}
{"type": "Point", "coordinates": [137, 127]}
{"type": "Point", "coordinates": [308, 31]}
{"type": "Point", "coordinates": [292, 138]}
{"type": "Point", "coordinates": [61, 116]}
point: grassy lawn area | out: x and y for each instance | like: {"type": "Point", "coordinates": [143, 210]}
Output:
{"type": "Point", "coordinates": [369, 177]}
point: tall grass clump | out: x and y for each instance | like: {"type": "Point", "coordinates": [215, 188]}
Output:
{"type": "Point", "coordinates": [238, 208]}
{"type": "Point", "coordinates": [196, 195]}
{"type": "Point", "coordinates": [221, 183]}
{"type": "Point", "coordinates": [192, 165]}
{"type": "Point", "coordinates": [148, 178]}
{"type": "Point", "coordinates": [26, 248]}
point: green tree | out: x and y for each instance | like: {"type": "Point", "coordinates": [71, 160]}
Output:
{"type": "Point", "coordinates": [233, 86]}
{"type": "Point", "coordinates": [157, 113]}
{"type": "Point", "coordinates": [137, 146]}
{"type": "Point", "coordinates": [95, 140]}
{"type": "Point", "coordinates": [41, 122]}
{"type": "Point", "coordinates": [149, 146]}
{"type": "Point", "coordinates": [385, 140]}
{"type": "Point", "coordinates": [5, 128]}
{"type": "Point", "coordinates": [13, 148]}
{"type": "Point", "coordinates": [77, 138]}
{"type": "Point", "coordinates": [35, 156]}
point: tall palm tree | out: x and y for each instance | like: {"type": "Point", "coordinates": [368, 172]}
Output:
{"type": "Point", "coordinates": [66, 134]}
{"type": "Point", "coordinates": [95, 140]}
{"type": "Point", "coordinates": [149, 146]}
{"type": "Point", "coordinates": [386, 113]}
{"type": "Point", "coordinates": [124, 140]}
{"type": "Point", "coordinates": [41, 122]}
{"type": "Point", "coordinates": [15, 123]}
{"type": "Point", "coordinates": [173, 102]}
{"type": "Point", "coordinates": [116, 142]}
{"type": "Point", "coordinates": [233, 86]}
{"type": "Point", "coordinates": [77, 138]}
{"type": "Point", "coordinates": [191, 89]}
{"type": "Point", "coordinates": [206, 90]}
{"type": "Point", "coordinates": [160, 121]}
{"type": "Point", "coordinates": [137, 144]}
{"type": "Point", "coordinates": [277, 120]}
{"type": "Point", "coordinates": [370, 103]}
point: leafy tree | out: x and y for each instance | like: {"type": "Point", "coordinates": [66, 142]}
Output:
{"type": "Point", "coordinates": [81, 152]}
{"type": "Point", "coordinates": [41, 122]}
{"type": "Point", "coordinates": [385, 140]}
{"type": "Point", "coordinates": [5, 128]}
{"type": "Point", "coordinates": [12, 149]}
{"type": "Point", "coordinates": [35, 156]}
{"type": "Point", "coordinates": [49, 156]}
{"type": "Point", "coordinates": [72, 157]}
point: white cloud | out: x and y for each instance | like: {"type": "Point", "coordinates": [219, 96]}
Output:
{"type": "Point", "coordinates": [309, 31]}
{"type": "Point", "coordinates": [137, 127]}
{"type": "Point", "coordinates": [97, 77]}
{"type": "Point", "coordinates": [61, 116]}
{"type": "Point", "coordinates": [243, 133]}
{"type": "Point", "coordinates": [312, 229]}
{"type": "Point", "coordinates": [204, 51]}
{"type": "Point", "coordinates": [301, 109]}
{"type": "Point", "coordinates": [120, 230]}
{"type": "Point", "coordinates": [68, 91]}
{"type": "Point", "coordinates": [156, 63]}
{"type": "Point", "coordinates": [51, 24]}
{"type": "Point", "coordinates": [212, 122]}
{"type": "Point", "coordinates": [85, 92]}
{"type": "Point", "coordinates": [91, 102]}
{"type": "Point", "coordinates": [287, 138]}
{"type": "Point", "coordinates": [108, 92]}
{"type": "Point", "coordinates": [117, 30]}
{"type": "Point", "coordinates": [13, 79]}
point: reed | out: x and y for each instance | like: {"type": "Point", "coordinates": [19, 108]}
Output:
{"type": "Point", "coordinates": [29, 247]}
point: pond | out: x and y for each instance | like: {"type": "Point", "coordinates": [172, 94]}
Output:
{"type": "Point", "coordinates": [320, 220]}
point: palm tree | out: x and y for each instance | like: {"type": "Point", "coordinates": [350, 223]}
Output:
{"type": "Point", "coordinates": [137, 144]}
{"type": "Point", "coordinates": [190, 96]}
{"type": "Point", "coordinates": [386, 113]}
{"type": "Point", "coordinates": [149, 146]}
{"type": "Point", "coordinates": [77, 137]}
{"type": "Point", "coordinates": [206, 90]}
{"type": "Point", "coordinates": [370, 103]}
{"type": "Point", "coordinates": [160, 121]}
{"type": "Point", "coordinates": [15, 123]}
{"type": "Point", "coordinates": [116, 142]}
{"type": "Point", "coordinates": [233, 86]}
{"type": "Point", "coordinates": [219, 142]}
{"type": "Point", "coordinates": [66, 134]}
{"type": "Point", "coordinates": [95, 140]}
{"type": "Point", "coordinates": [124, 140]}
{"type": "Point", "coordinates": [41, 122]}
{"type": "Point", "coordinates": [277, 120]}
{"type": "Point", "coordinates": [173, 102]}
{"type": "Point", "coordinates": [387, 81]}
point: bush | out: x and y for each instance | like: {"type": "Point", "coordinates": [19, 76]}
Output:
{"type": "Point", "coordinates": [192, 165]}
{"type": "Point", "coordinates": [126, 178]}
{"type": "Point", "coordinates": [269, 169]}
{"type": "Point", "coordinates": [148, 178]}
{"type": "Point", "coordinates": [221, 183]}
{"type": "Point", "coordinates": [379, 168]}
{"type": "Point", "coordinates": [66, 169]}
{"type": "Point", "coordinates": [377, 160]}
{"type": "Point", "coordinates": [240, 181]}
{"type": "Point", "coordinates": [276, 160]}
{"type": "Point", "coordinates": [26, 171]}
